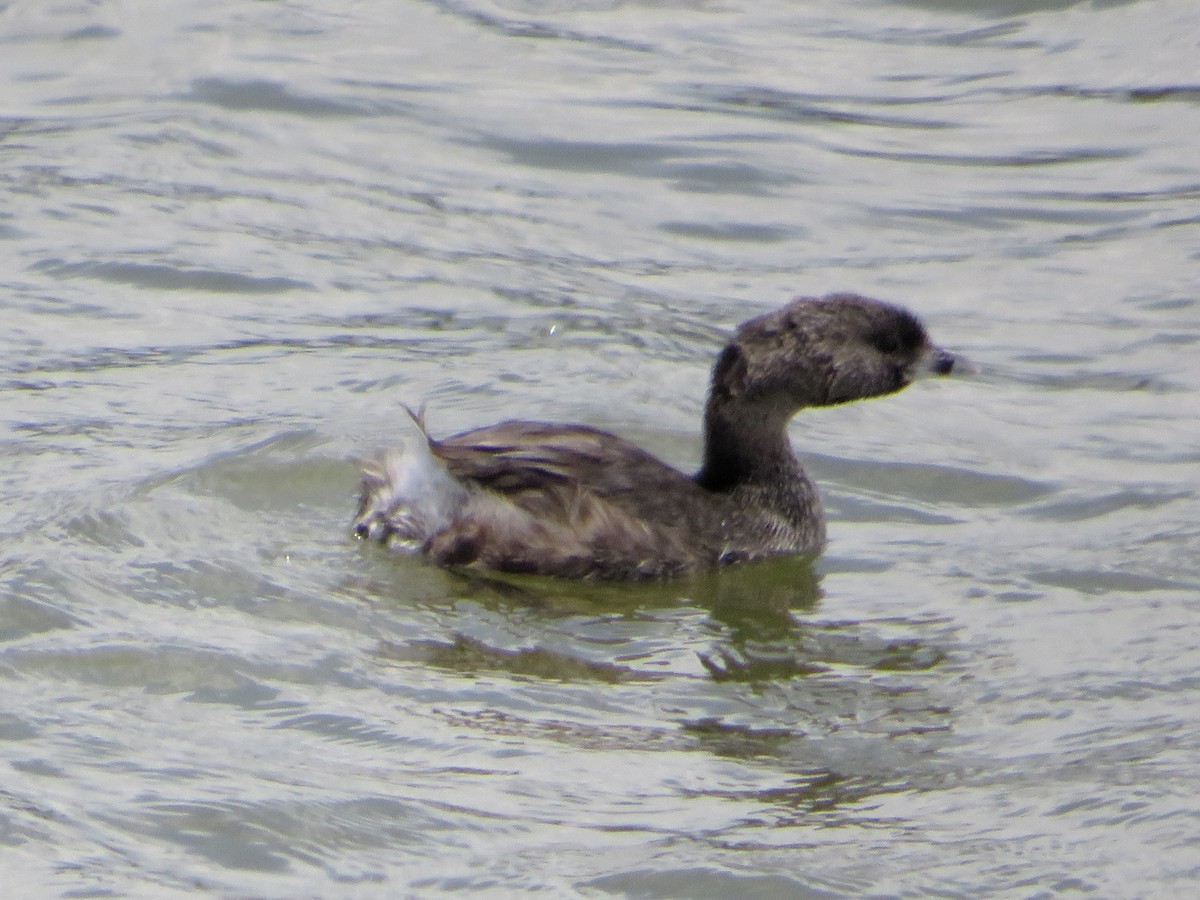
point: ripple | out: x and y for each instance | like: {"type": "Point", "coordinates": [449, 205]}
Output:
{"type": "Point", "coordinates": [270, 96]}
{"type": "Point", "coordinates": [239, 235]}
{"type": "Point", "coordinates": [1074, 508]}
{"type": "Point", "coordinates": [645, 159]}
{"type": "Point", "coordinates": [1110, 581]}
{"type": "Point", "coordinates": [171, 278]}
{"type": "Point", "coordinates": [752, 232]}
{"type": "Point", "coordinates": [931, 483]}
{"type": "Point", "coordinates": [705, 881]}
{"type": "Point", "coordinates": [833, 109]}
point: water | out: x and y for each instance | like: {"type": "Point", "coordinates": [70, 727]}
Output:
{"type": "Point", "coordinates": [235, 238]}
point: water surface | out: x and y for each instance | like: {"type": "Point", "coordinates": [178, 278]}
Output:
{"type": "Point", "coordinates": [237, 238]}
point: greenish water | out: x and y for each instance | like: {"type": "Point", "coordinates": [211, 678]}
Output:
{"type": "Point", "coordinates": [236, 238]}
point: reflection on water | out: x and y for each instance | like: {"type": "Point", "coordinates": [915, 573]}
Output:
{"type": "Point", "coordinates": [237, 239]}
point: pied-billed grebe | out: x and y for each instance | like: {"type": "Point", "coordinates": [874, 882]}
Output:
{"type": "Point", "coordinates": [577, 502]}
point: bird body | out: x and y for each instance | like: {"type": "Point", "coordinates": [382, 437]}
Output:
{"type": "Point", "coordinates": [577, 502]}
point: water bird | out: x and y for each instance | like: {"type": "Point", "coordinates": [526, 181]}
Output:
{"type": "Point", "coordinates": [577, 502]}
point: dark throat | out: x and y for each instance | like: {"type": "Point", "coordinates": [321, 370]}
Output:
{"type": "Point", "coordinates": [745, 446]}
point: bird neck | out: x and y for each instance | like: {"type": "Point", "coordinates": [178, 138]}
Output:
{"type": "Point", "coordinates": [745, 445]}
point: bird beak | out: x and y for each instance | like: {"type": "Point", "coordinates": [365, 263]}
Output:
{"type": "Point", "coordinates": [937, 361]}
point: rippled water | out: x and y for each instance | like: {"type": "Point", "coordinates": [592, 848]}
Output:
{"type": "Point", "coordinates": [235, 238]}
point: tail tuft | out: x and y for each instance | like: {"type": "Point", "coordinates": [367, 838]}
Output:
{"type": "Point", "coordinates": [408, 495]}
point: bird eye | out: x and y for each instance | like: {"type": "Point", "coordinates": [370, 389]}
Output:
{"type": "Point", "coordinates": [887, 343]}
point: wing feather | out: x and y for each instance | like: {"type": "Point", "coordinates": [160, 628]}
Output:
{"type": "Point", "coordinates": [571, 501]}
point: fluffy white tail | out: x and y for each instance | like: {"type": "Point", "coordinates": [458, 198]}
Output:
{"type": "Point", "coordinates": [408, 495]}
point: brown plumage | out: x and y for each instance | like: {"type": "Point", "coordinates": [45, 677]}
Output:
{"type": "Point", "coordinates": [577, 502]}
